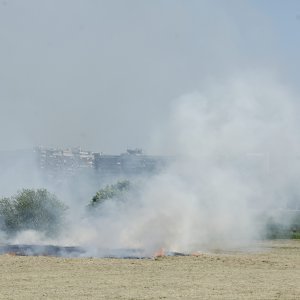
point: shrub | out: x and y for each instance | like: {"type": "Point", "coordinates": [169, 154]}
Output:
{"type": "Point", "coordinates": [276, 230]}
{"type": "Point", "coordinates": [110, 192]}
{"type": "Point", "coordinates": [32, 209]}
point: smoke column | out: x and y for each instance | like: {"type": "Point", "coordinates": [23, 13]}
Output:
{"type": "Point", "coordinates": [235, 148]}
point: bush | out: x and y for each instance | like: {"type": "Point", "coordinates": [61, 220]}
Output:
{"type": "Point", "coordinates": [32, 209]}
{"type": "Point", "coordinates": [111, 192]}
{"type": "Point", "coordinates": [290, 230]}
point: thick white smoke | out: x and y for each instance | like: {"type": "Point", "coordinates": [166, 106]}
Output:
{"type": "Point", "coordinates": [235, 148]}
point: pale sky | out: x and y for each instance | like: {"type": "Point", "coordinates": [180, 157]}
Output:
{"type": "Point", "coordinates": [103, 74]}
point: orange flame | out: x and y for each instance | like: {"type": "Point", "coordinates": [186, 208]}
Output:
{"type": "Point", "coordinates": [160, 253]}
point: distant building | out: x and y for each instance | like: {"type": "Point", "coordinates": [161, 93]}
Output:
{"type": "Point", "coordinates": [63, 161]}
{"type": "Point", "coordinates": [131, 163]}
{"type": "Point", "coordinates": [72, 161]}
{"type": "Point", "coordinates": [107, 164]}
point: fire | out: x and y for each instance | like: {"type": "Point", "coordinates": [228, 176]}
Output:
{"type": "Point", "coordinates": [197, 253]}
{"type": "Point", "coordinates": [160, 253]}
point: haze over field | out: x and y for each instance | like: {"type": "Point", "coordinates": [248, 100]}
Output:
{"type": "Point", "coordinates": [213, 84]}
{"type": "Point", "coordinates": [104, 74]}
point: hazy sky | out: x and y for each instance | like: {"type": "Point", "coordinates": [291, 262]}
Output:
{"type": "Point", "coordinates": [103, 74]}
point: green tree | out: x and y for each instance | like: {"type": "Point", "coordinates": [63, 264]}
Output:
{"type": "Point", "coordinates": [112, 191]}
{"type": "Point", "coordinates": [32, 209]}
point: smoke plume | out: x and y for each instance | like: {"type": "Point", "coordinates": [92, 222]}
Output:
{"type": "Point", "coordinates": [234, 149]}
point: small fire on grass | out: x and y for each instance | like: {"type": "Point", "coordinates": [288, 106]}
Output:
{"type": "Point", "coordinates": [197, 253]}
{"type": "Point", "coordinates": [159, 253]}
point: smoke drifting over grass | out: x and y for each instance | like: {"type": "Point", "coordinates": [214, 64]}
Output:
{"type": "Point", "coordinates": [235, 148]}
{"type": "Point", "coordinates": [235, 161]}
{"type": "Point", "coordinates": [237, 145]}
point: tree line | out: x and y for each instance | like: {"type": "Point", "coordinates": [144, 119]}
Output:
{"type": "Point", "coordinates": [40, 210]}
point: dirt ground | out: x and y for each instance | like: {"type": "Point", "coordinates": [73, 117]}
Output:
{"type": "Point", "coordinates": [273, 272]}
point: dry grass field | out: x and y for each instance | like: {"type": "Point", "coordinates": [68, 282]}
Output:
{"type": "Point", "coordinates": [270, 273]}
